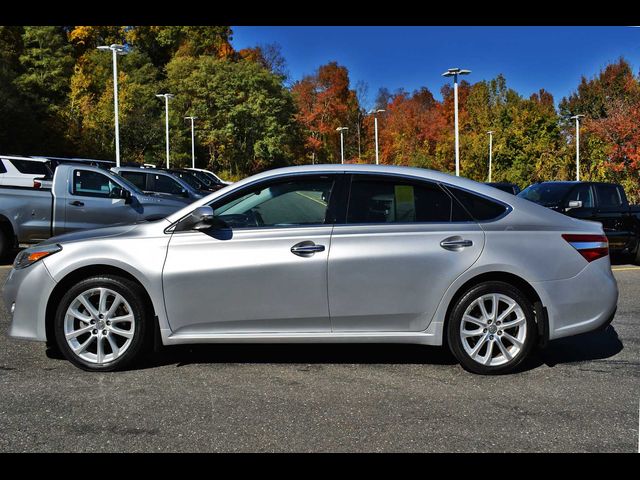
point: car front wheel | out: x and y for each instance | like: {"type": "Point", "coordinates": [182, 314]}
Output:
{"type": "Point", "coordinates": [102, 323]}
{"type": "Point", "coordinates": [492, 328]}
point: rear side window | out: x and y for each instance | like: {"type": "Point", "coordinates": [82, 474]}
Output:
{"type": "Point", "coordinates": [137, 178]}
{"type": "Point", "coordinates": [608, 196]}
{"type": "Point", "coordinates": [29, 167]}
{"type": "Point", "coordinates": [389, 200]}
{"type": "Point", "coordinates": [480, 208]}
{"type": "Point", "coordinates": [165, 184]}
{"type": "Point", "coordinates": [3, 169]}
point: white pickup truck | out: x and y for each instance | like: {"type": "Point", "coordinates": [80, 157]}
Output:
{"type": "Point", "coordinates": [81, 197]}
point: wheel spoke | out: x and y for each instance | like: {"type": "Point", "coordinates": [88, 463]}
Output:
{"type": "Point", "coordinates": [117, 301]}
{"type": "Point", "coordinates": [503, 349]}
{"type": "Point", "coordinates": [477, 321]}
{"type": "Point", "coordinates": [100, 351]}
{"type": "Point", "coordinates": [80, 316]}
{"type": "Point", "coordinates": [114, 345]}
{"type": "Point", "coordinates": [102, 303]}
{"type": "Point", "coordinates": [87, 304]}
{"type": "Point", "coordinates": [478, 345]}
{"type": "Point", "coordinates": [489, 355]}
{"type": "Point", "coordinates": [483, 309]}
{"type": "Point", "coordinates": [122, 333]}
{"type": "Point", "coordinates": [507, 312]}
{"type": "Point", "coordinates": [471, 333]}
{"type": "Point", "coordinates": [513, 323]}
{"type": "Point", "coordinates": [79, 332]}
{"type": "Point", "coordinates": [494, 306]}
{"type": "Point", "coordinates": [82, 347]}
{"type": "Point", "coordinates": [123, 318]}
{"type": "Point", "coordinates": [512, 339]}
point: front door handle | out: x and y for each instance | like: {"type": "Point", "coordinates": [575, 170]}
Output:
{"type": "Point", "coordinates": [306, 248]}
{"type": "Point", "coordinates": [77, 203]}
{"type": "Point", "coordinates": [455, 243]}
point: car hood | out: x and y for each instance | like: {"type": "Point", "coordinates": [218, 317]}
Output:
{"type": "Point", "coordinates": [130, 229]}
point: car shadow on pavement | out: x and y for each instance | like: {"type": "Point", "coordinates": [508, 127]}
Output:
{"type": "Point", "coordinates": [596, 345]}
{"type": "Point", "coordinates": [182, 355]}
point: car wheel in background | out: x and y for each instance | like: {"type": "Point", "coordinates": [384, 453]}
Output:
{"type": "Point", "coordinates": [102, 323]}
{"type": "Point", "coordinates": [492, 328]}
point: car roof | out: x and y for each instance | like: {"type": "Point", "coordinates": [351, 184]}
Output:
{"type": "Point", "coordinates": [17, 157]}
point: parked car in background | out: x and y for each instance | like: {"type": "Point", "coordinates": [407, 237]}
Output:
{"type": "Point", "coordinates": [212, 183]}
{"type": "Point", "coordinates": [159, 181]}
{"type": "Point", "coordinates": [18, 171]}
{"type": "Point", "coordinates": [194, 178]}
{"type": "Point", "coordinates": [597, 201]}
{"type": "Point", "coordinates": [511, 188]}
{"type": "Point", "coordinates": [211, 175]}
{"type": "Point", "coordinates": [82, 197]}
{"type": "Point", "coordinates": [413, 256]}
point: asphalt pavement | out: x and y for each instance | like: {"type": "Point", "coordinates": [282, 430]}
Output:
{"type": "Point", "coordinates": [581, 394]}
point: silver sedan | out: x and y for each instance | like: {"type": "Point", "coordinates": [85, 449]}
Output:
{"type": "Point", "coordinates": [325, 253]}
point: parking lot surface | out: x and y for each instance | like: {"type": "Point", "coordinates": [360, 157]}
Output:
{"type": "Point", "coordinates": [579, 395]}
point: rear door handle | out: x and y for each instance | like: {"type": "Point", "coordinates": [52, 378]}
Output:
{"type": "Point", "coordinates": [306, 249]}
{"type": "Point", "coordinates": [77, 203]}
{"type": "Point", "coordinates": [455, 243]}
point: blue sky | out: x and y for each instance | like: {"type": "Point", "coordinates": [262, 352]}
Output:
{"type": "Point", "coordinates": [530, 58]}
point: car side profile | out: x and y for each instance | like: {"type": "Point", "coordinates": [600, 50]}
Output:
{"type": "Point", "coordinates": [321, 254]}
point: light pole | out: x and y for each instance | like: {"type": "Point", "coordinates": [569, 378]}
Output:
{"type": "Point", "coordinates": [490, 132]}
{"type": "Point", "coordinates": [454, 72]}
{"type": "Point", "coordinates": [166, 97]}
{"type": "Point", "coordinates": [341, 130]}
{"type": "Point", "coordinates": [577, 119]}
{"type": "Point", "coordinates": [193, 143]}
{"type": "Point", "coordinates": [117, 50]}
{"type": "Point", "coordinates": [375, 122]}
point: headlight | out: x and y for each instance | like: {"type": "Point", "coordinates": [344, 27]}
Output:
{"type": "Point", "coordinates": [31, 255]}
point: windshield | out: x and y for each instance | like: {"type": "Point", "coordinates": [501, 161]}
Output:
{"type": "Point", "coordinates": [546, 194]}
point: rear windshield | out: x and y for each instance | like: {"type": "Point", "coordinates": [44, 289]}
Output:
{"type": "Point", "coordinates": [546, 194]}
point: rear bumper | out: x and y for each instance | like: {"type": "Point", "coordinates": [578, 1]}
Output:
{"type": "Point", "coordinates": [582, 303]}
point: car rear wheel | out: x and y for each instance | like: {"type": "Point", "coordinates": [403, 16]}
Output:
{"type": "Point", "coordinates": [102, 323]}
{"type": "Point", "coordinates": [492, 328]}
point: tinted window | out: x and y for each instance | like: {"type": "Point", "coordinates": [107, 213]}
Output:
{"type": "Point", "coordinates": [137, 178]}
{"type": "Point", "coordinates": [582, 193]}
{"type": "Point", "coordinates": [2, 167]}
{"type": "Point", "coordinates": [29, 167]}
{"type": "Point", "coordinates": [165, 184]}
{"type": "Point", "coordinates": [546, 194]}
{"type": "Point", "coordinates": [191, 180]}
{"type": "Point", "coordinates": [285, 203]}
{"type": "Point", "coordinates": [387, 200]}
{"type": "Point", "coordinates": [92, 184]}
{"type": "Point", "coordinates": [608, 196]}
{"type": "Point", "coordinates": [480, 208]}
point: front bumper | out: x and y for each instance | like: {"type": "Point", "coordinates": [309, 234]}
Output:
{"type": "Point", "coordinates": [28, 289]}
{"type": "Point", "coordinates": [582, 303]}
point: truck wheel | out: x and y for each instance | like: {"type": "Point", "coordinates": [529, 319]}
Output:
{"type": "Point", "coordinates": [637, 257]}
{"type": "Point", "coordinates": [492, 328]}
{"type": "Point", "coordinates": [103, 323]}
{"type": "Point", "coordinates": [5, 242]}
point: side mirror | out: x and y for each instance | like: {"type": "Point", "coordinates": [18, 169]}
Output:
{"type": "Point", "coordinates": [201, 218]}
{"type": "Point", "coordinates": [184, 193]}
{"type": "Point", "coordinates": [574, 204]}
{"type": "Point", "coordinates": [119, 192]}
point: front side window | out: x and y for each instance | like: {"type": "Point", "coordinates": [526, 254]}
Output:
{"type": "Point", "coordinates": [582, 193]}
{"type": "Point", "coordinates": [286, 203]}
{"type": "Point", "coordinates": [92, 184]}
{"type": "Point", "coordinates": [389, 200]}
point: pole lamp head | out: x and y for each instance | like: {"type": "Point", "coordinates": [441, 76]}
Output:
{"type": "Point", "coordinates": [577, 117]}
{"type": "Point", "coordinates": [379, 110]}
{"type": "Point", "coordinates": [339, 129]}
{"type": "Point", "coordinates": [456, 71]}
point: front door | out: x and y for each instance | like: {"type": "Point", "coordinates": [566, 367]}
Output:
{"type": "Point", "coordinates": [266, 272]}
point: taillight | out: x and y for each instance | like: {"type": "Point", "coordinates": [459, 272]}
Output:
{"type": "Point", "coordinates": [37, 184]}
{"type": "Point", "coordinates": [591, 247]}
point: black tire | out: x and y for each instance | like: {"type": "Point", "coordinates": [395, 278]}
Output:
{"type": "Point", "coordinates": [454, 325]}
{"type": "Point", "coordinates": [5, 242]}
{"type": "Point", "coordinates": [636, 259]}
{"type": "Point", "coordinates": [143, 332]}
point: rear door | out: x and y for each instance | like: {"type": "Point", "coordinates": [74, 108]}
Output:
{"type": "Point", "coordinates": [403, 243]}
